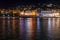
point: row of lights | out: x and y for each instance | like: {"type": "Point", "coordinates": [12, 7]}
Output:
{"type": "Point", "coordinates": [19, 13]}
{"type": "Point", "coordinates": [51, 15]}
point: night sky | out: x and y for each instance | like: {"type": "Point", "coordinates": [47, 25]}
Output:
{"type": "Point", "coordinates": [12, 3]}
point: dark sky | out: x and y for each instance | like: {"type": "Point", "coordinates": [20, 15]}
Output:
{"type": "Point", "coordinates": [12, 3]}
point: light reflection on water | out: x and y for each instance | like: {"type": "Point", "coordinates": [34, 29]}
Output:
{"type": "Point", "coordinates": [30, 28]}
{"type": "Point", "coordinates": [54, 28]}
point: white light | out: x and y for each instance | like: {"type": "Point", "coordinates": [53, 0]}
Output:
{"type": "Point", "coordinates": [28, 13]}
{"type": "Point", "coordinates": [3, 15]}
{"type": "Point", "coordinates": [22, 13]}
{"type": "Point", "coordinates": [8, 15]}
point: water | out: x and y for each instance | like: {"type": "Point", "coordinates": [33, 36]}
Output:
{"type": "Point", "coordinates": [13, 28]}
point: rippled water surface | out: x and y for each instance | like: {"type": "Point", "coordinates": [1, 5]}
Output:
{"type": "Point", "coordinates": [13, 28]}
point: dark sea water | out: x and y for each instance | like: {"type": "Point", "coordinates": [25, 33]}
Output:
{"type": "Point", "coordinates": [13, 28]}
